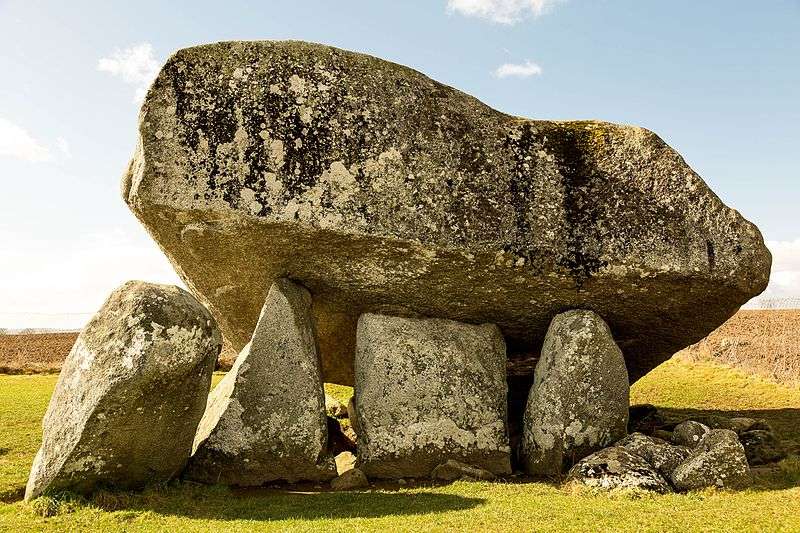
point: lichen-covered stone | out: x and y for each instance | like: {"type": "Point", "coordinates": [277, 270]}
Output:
{"type": "Point", "coordinates": [616, 468]}
{"type": "Point", "coordinates": [429, 390]}
{"type": "Point", "coordinates": [266, 419]}
{"type": "Point", "coordinates": [689, 433]}
{"type": "Point", "coordinates": [452, 470]}
{"type": "Point", "coordinates": [580, 395]}
{"type": "Point", "coordinates": [130, 394]}
{"type": "Point", "coordinates": [660, 454]}
{"type": "Point", "coordinates": [376, 186]}
{"type": "Point", "coordinates": [718, 460]}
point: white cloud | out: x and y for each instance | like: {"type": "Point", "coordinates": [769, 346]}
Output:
{"type": "Point", "coordinates": [501, 11]}
{"type": "Point", "coordinates": [135, 65]}
{"type": "Point", "coordinates": [785, 278]}
{"type": "Point", "coordinates": [63, 147]}
{"type": "Point", "coordinates": [60, 283]}
{"type": "Point", "coordinates": [18, 143]}
{"type": "Point", "coordinates": [519, 70]}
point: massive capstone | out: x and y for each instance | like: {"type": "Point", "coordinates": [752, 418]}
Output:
{"type": "Point", "coordinates": [383, 190]}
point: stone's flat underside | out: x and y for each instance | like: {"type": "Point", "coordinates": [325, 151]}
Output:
{"type": "Point", "coordinates": [382, 190]}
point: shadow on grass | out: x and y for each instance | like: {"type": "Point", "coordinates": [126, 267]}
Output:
{"type": "Point", "coordinates": [785, 421]}
{"type": "Point", "coordinates": [221, 503]}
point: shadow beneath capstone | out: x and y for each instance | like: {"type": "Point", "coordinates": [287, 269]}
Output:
{"type": "Point", "coordinates": [221, 503]}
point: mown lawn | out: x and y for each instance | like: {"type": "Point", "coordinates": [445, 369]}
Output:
{"type": "Point", "coordinates": [772, 505]}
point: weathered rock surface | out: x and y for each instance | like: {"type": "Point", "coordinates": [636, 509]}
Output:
{"type": "Point", "coordinates": [580, 395]}
{"type": "Point", "coordinates": [130, 394]}
{"type": "Point", "coordinates": [717, 461]}
{"type": "Point", "coordinates": [429, 390]}
{"type": "Point", "coordinates": [689, 433]}
{"type": "Point", "coordinates": [616, 468]}
{"type": "Point", "coordinates": [377, 187]}
{"type": "Point", "coordinates": [266, 419]}
{"type": "Point", "coordinates": [350, 479]}
{"type": "Point", "coordinates": [452, 470]}
{"type": "Point", "coordinates": [334, 407]}
{"type": "Point", "coordinates": [345, 461]}
{"type": "Point", "coordinates": [661, 455]}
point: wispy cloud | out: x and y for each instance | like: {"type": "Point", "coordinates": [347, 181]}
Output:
{"type": "Point", "coordinates": [518, 70]}
{"type": "Point", "coordinates": [785, 278]}
{"type": "Point", "coordinates": [135, 65]}
{"type": "Point", "coordinates": [16, 142]}
{"type": "Point", "coordinates": [501, 11]}
{"type": "Point", "coordinates": [63, 146]}
{"type": "Point", "coordinates": [41, 292]}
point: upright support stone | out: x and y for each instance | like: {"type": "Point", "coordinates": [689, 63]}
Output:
{"type": "Point", "coordinates": [130, 394]}
{"type": "Point", "coordinates": [266, 419]}
{"type": "Point", "coordinates": [579, 400]}
{"type": "Point", "coordinates": [426, 391]}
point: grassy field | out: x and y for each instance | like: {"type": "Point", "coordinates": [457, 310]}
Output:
{"type": "Point", "coordinates": [772, 505]}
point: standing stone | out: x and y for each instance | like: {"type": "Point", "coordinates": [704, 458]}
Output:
{"type": "Point", "coordinates": [718, 460]}
{"type": "Point", "coordinates": [429, 390]}
{"type": "Point", "coordinates": [130, 394]}
{"type": "Point", "coordinates": [579, 400]}
{"type": "Point", "coordinates": [266, 419]}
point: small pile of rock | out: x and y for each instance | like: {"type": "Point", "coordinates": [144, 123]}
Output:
{"type": "Point", "coordinates": [700, 457]}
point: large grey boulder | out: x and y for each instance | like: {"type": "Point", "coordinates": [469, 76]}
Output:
{"type": "Point", "coordinates": [375, 186]}
{"type": "Point", "coordinates": [718, 460]}
{"type": "Point", "coordinates": [429, 390]}
{"type": "Point", "coordinates": [130, 394]}
{"type": "Point", "coordinates": [617, 468]}
{"type": "Point", "coordinates": [266, 419]}
{"type": "Point", "coordinates": [580, 395]}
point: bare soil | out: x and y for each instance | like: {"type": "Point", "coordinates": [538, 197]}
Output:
{"type": "Point", "coordinates": [34, 352]}
{"type": "Point", "coordinates": [764, 342]}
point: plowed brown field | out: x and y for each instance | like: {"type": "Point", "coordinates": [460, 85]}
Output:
{"type": "Point", "coordinates": [34, 352]}
{"type": "Point", "coordinates": [765, 342]}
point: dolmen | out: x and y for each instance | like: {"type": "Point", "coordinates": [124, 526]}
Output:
{"type": "Point", "coordinates": [344, 219]}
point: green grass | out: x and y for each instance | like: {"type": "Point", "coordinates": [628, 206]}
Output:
{"type": "Point", "coordinates": [771, 505]}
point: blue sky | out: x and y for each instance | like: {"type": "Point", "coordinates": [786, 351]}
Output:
{"type": "Point", "coordinates": [718, 80]}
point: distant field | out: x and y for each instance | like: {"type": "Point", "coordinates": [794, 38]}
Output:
{"type": "Point", "coordinates": [766, 342]}
{"type": "Point", "coordinates": [678, 385]}
{"type": "Point", "coordinates": [34, 352]}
